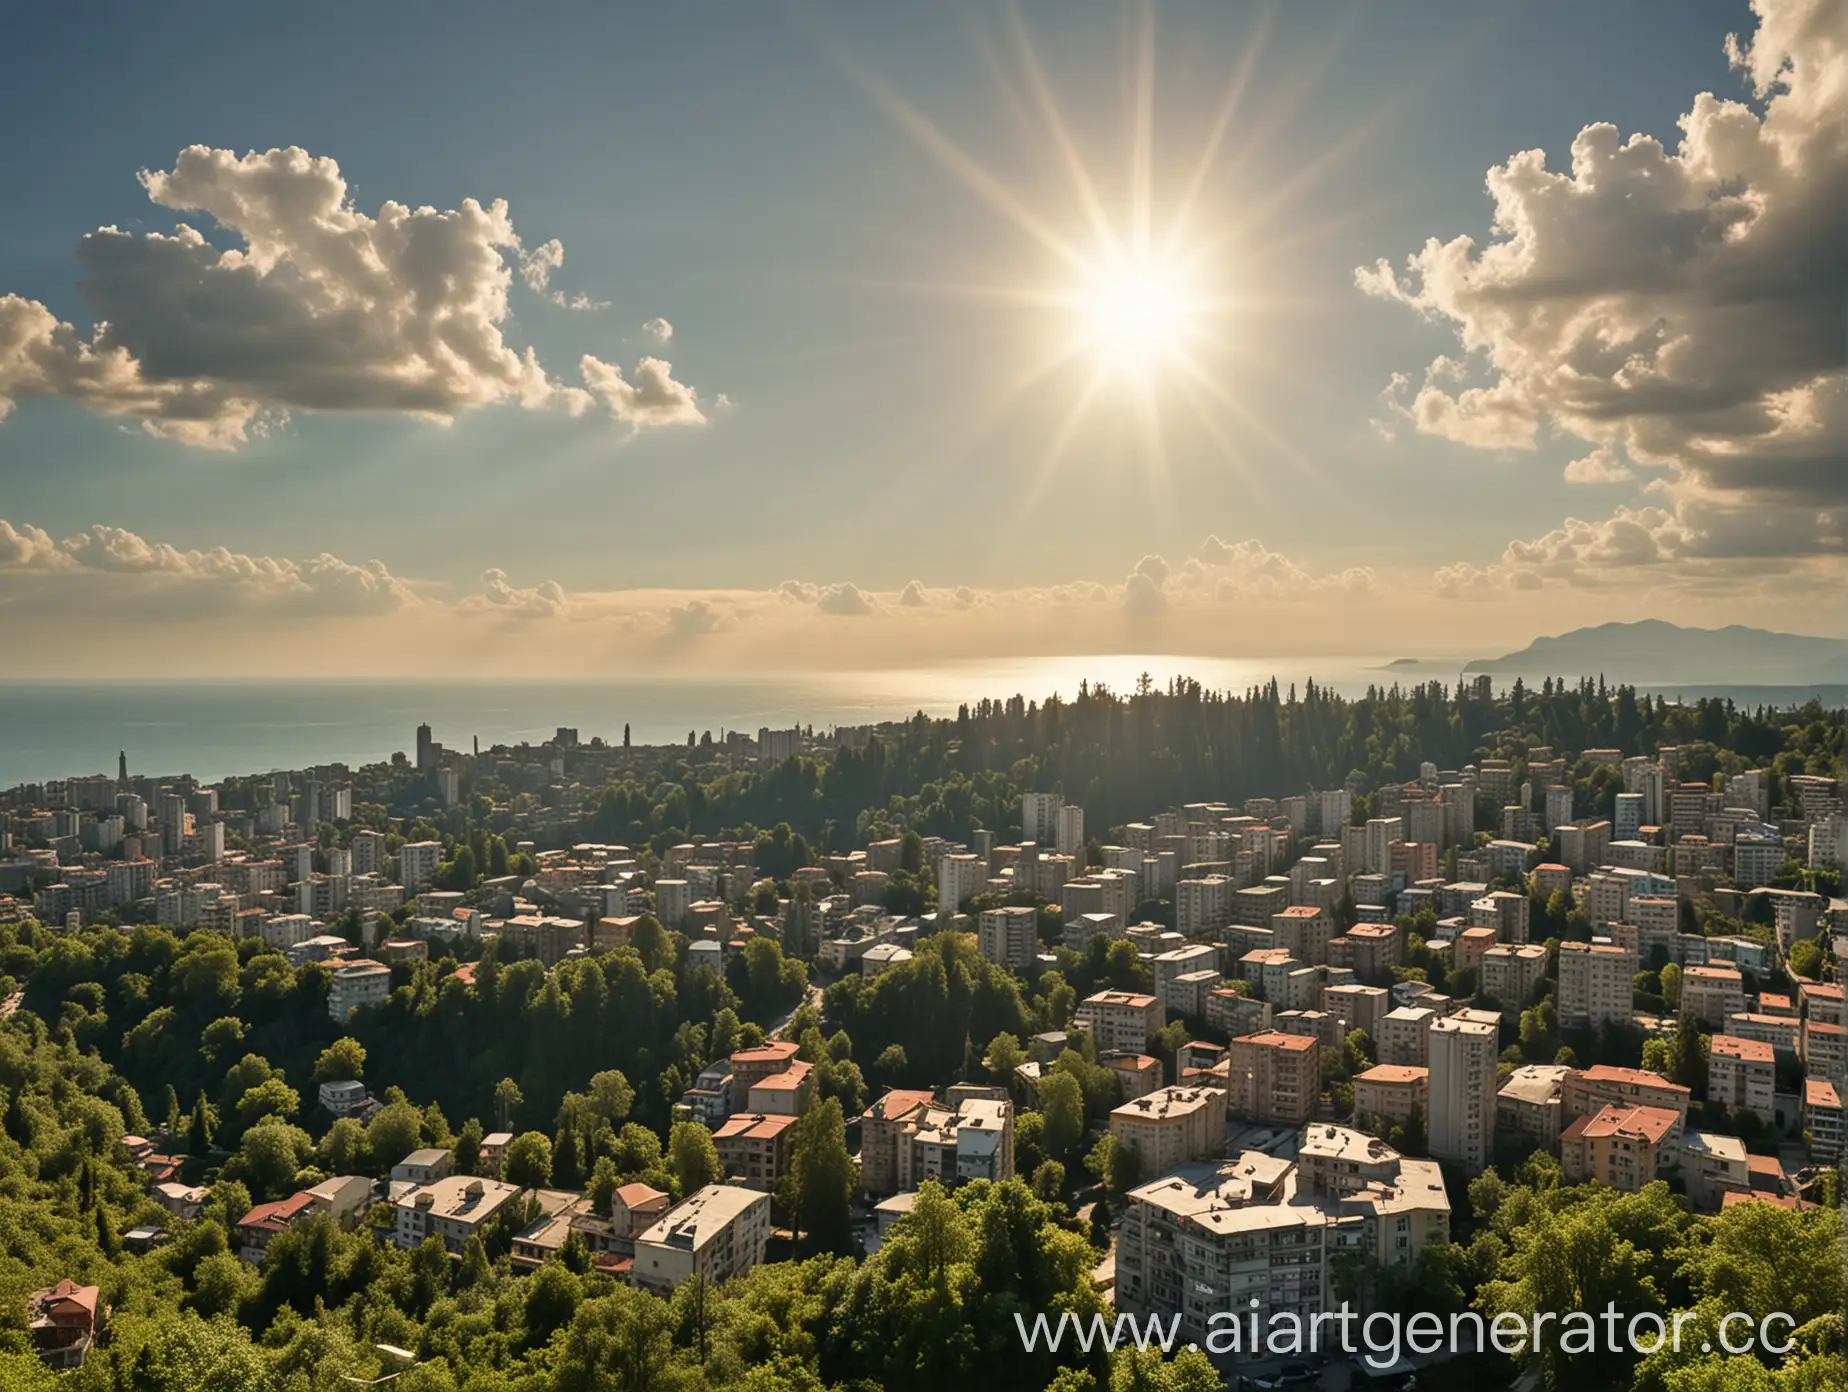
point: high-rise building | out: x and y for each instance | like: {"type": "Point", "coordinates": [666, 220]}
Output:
{"type": "Point", "coordinates": [1039, 817]}
{"type": "Point", "coordinates": [1596, 984]}
{"type": "Point", "coordinates": [1461, 1128]}
{"type": "Point", "coordinates": [1009, 935]}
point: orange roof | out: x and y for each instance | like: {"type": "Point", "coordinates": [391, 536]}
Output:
{"type": "Point", "coordinates": [898, 1103]}
{"type": "Point", "coordinates": [1393, 1073]}
{"type": "Point", "coordinates": [1820, 1092]}
{"type": "Point", "coordinates": [1132, 1063]}
{"type": "Point", "coordinates": [1642, 1123]}
{"type": "Point", "coordinates": [1641, 1077]}
{"type": "Point", "coordinates": [274, 1217]}
{"type": "Point", "coordinates": [1750, 1050]}
{"type": "Point", "coordinates": [636, 1195]}
{"type": "Point", "coordinates": [1739, 1196]}
{"type": "Point", "coordinates": [753, 1126]}
{"type": "Point", "coordinates": [776, 1051]}
{"type": "Point", "coordinates": [68, 1292]}
{"type": "Point", "coordinates": [1277, 1039]}
{"type": "Point", "coordinates": [790, 1079]}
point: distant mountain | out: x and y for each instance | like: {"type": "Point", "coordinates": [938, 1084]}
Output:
{"type": "Point", "coordinates": [1653, 653]}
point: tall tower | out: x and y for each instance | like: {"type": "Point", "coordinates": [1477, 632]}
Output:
{"type": "Point", "coordinates": [423, 746]}
{"type": "Point", "coordinates": [122, 766]}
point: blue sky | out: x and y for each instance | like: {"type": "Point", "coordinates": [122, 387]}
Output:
{"type": "Point", "coordinates": [730, 168]}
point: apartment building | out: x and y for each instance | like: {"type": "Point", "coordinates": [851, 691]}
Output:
{"type": "Point", "coordinates": [1390, 1093]}
{"type": "Point", "coordinates": [1371, 950]}
{"type": "Point", "coordinates": [1587, 1091]}
{"type": "Point", "coordinates": [1272, 1076]}
{"type": "Point", "coordinates": [1260, 1235]}
{"type": "Point", "coordinates": [749, 1067]}
{"type": "Point", "coordinates": [1512, 973]}
{"type": "Point", "coordinates": [454, 1209]}
{"type": "Point", "coordinates": [1304, 930]}
{"type": "Point", "coordinates": [1711, 993]}
{"type": "Point", "coordinates": [754, 1147]}
{"type": "Point", "coordinates": [1404, 1037]}
{"type": "Point", "coordinates": [1009, 935]}
{"type": "Point", "coordinates": [1596, 984]}
{"type": "Point", "coordinates": [970, 1137]}
{"type": "Point", "coordinates": [718, 1233]}
{"type": "Point", "coordinates": [1624, 1147]}
{"type": "Point", "coordinates": [1529, 1105]}
{"type": "Point", "coordinates": [1462, 1118]}
{"type": "Point", "coordinates": [1823, 1120]}
{"type": "Point", "coordinates": [882, 1128]}
{"type": "Point", "coordinates": [355, 984]}
{"type": "Point", "coordinates": [1172, 1126]}
{"type": "Point", "coordinates": [1120, 1020]}
{"type": "Point", "coordinates": [417, 864]}
{"type": "Point", "coordinates": [1742, 1076]}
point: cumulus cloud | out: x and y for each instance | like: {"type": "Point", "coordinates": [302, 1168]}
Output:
{"type": "Point", "coordinates": [913, 595]}
{"type": "Point", "coordinates": [545, 600]}
{"type": "Point", "coordinates": [318, 306]}
{"type": "Point", "coordinates": [695, 617]}
{"type": "Point", "coordinates": [322, 584]}
{"type": "Point", "coordinates": [536, 267]}
{"type": "Point", "coordinates": [659, 330]}
{"type": "Point", "coordinates": [1247, 569]}
{"type": "Point", "coordinates": [1144, 591]}
{"type": "Point", "coordinates": [844, 599]}
{"type": "Point", "coordinates": [1681, 306]}
{"type": "Point", "coordinates": [654, 398]}
{"type": "Point", "coordinates": [1600, 466]}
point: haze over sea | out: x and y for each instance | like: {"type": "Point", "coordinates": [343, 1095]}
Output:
{"type": "Point", "coordinates": [211, 729]}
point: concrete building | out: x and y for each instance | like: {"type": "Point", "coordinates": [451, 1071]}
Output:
{"type": "Point", "coordinates": [1711, 993]}
{"type": "Point", "coordinates": [355, 984]}
{"type": "Point", "coordinates": [1529, 1106]}
{"type": "Point", "coordinates": [1742, 1076]}
{"type": "Point", "coordinates": [1260, 1235]}
{"type": "Point", "coordinates": [1624, 1147]}
{"type": "Point", "coordinates": [718, 1233]}
{"type": "Point", "coordinates": [1390, 1094]}
{"type": "Point", "coordinates": [1587, 1091]}
{"type": "Point", "coordinates": [1120, 1020]}
{"type": "Point", "coordinates": [417, 863]}
{"type": "Point", "coordinates": [1009, 935]}
{"type": "Point", "coordinates": [454, 1209]}
{"type": "Point", "coordinates": [1273, 1077]}
{"type": "Point", "coordinates": [1596, 984]}
{"type": "Point", "coordinates": [754, 1147]}
{"type": "Point", "coordinates": [1824, 1121]}
{"type": "Point", "coordinates": [1405, 1036]}
{"type": "Point", "coordinates": [1512, 973]}
{"type": "Point", "coordinates": [1171, 1127]}
{"type": "Point", "coordinates": [1463, 1082]}
{"type": "Point", "coordinates": [882, 1125]}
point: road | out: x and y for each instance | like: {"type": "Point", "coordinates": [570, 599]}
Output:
{"type": "Point", "coordinates": [781, 1023]}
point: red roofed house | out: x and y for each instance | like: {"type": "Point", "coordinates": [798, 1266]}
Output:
{"type": "Point", "coordinates": [257, 1227]}
{"type": "Point", "coordinates": [63, 1321]}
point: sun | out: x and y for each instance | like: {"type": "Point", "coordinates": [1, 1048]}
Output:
{"type": "Point", "coordinates": [1139, 312]}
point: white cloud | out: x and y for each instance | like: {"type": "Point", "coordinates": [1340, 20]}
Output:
{"type": "Point", "coordinates": [320, 585]}
{"type": "Point", "coordinates": [318, 306]}
{"type": "Point", "coordinates": [844, 599]}
{"type": "Point", "coordinates": [545, 600]}
{"type": "Point", "coordinates": [1250, 569]}
{"type": "Point", "coordinates": [654, 398]}
{"type": "Point", "coordinates": [1602, 465]}
{"type": "Point", "coordinates": [914, 596]}
{"type": "Point", "coordinates": [659, 330]}
{"type": "Point", "coordinates": [1684, 305]}
{"type": "Point", "coordinates": [695, 617]}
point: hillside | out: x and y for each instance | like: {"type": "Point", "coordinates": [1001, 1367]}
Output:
{"type": "Point", "coordinates": [1653, 652]}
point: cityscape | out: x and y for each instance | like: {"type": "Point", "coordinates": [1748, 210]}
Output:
{"type": "Point", "coordinates": [1363, 1039]}
{"type": "Point", "coordinates": [1040, 695]}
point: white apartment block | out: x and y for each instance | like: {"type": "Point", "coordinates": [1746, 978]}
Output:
{"type": "Point", "coordinates": [718, 1233]}
{"type": "Point", "coordinates": [1120, 1020]}
{"type": "Point", "coordinates": [417, 862]}
{"type": "Point", "coordinates": [1596, 984]}
{"type": "Point", "coordinates": [453, 1209]}
{"type": "Point", "coordinates": [1461, 1127]}
{"type": "Point", "coordinates": [959, 879]}
{"type": "Point", "coordinates": [1742, 1076]}
{"type": "Point", "coordinates": [1009, 935]}
{"type": "Point", "coordinates": [1039, 817]}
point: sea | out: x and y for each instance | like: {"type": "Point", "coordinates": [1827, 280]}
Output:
{"type": "Point", "coordinates": [213, 729]}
